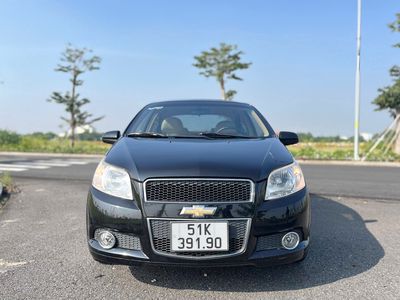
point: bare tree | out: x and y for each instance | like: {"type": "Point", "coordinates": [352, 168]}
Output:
{"type": "Point", "coordinates": [75, 62]}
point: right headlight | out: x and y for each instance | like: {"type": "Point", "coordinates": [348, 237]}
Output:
{"type": "Point", "coordinates": [113, 181]}
{"type": "Point", "coordinates": [284, 181]}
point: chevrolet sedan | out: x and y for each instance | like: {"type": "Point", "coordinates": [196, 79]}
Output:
{"type": "Point", "coordinates": [198, 183]}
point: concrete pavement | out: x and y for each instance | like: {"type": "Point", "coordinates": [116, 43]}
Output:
{"type": "Point", "coordinates": [354, 247]}
{"type": "Point", "coordinates": [43, 255]}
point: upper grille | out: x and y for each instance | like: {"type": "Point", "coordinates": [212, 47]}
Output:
{"type": "Point", "coordinates": [123, 240]}
{"type": "Point", "coordinates": [199, 190]}
{"type": "Point", "coordinates": [161, 237]}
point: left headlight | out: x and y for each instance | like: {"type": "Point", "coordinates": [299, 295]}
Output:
{"type": "Point", "coordinates": [113, 181]}
{"type": "Point", "coordinates": [284, 181]}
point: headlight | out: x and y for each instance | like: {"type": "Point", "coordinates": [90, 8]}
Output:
{"type": "Point", "coordinates": [113, 181]}
{"type": "Point", "coordinates": [284, 181]}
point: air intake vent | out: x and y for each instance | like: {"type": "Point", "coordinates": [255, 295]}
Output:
{"type": "Point", "coordinates": [199, 190]}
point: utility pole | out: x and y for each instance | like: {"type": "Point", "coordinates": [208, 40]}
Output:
{"type": "Point", "coordinates": [357, 86]}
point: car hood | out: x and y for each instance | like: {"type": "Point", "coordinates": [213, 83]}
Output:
{"type": "Point", "coordinates": [147, 158]}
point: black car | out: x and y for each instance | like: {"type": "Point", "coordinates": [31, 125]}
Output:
{"type": "Point", "coordinates": [198, 183]}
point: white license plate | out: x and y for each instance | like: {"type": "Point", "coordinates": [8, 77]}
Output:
{"type": "Point", "coordinates": [199, 236]}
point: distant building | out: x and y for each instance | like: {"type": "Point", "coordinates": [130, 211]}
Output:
{"type": "Point", "coordinates": [78, 130]}
{"type": "Point", "coordinates": [343, 138]}
{"type": "Point", "coordinates": [366, 136]}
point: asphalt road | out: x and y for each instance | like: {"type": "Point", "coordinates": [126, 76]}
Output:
{"type": "Point", "coordinates": [43, 255]}
{"type": "Point", "coordinates": [354, 253]}
{"type": "Point", "coordinates": [332, 180]}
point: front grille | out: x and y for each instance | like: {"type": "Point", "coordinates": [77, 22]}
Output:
{"type": "Point", "coordinates": [161, 233]}
{"type": "Point", "coordinates": [123, 240]}
{"type": "Point", "coordinates": [199, 190]}
{"type": "Point", "coordinates": [273, 241]}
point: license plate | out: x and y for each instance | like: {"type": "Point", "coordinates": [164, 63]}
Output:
{"type": "Point", "coordinates": [199, 236]}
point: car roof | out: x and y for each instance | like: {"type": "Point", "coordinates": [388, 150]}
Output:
{"type": "Point", "coordinates": [197, 101]}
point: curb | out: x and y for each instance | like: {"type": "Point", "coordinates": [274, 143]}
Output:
{"type": "Point", "coordinates": [41, 154]}
{"type": "Point", "coordinates": [350, 163]}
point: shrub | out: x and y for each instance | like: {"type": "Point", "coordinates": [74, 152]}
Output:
{"type": "Point", "coordinates": [8, 184]}
{"type": "Point", "coordinates": [48, 142]}
{"type": "Point", "coordinates": [9, 137]}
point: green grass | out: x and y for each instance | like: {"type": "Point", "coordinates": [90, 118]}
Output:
{"type": "Point", "coordinates": [339, 151]}
{"type": "Point", "coordinates": [55, 145]}
{"type": "Point", "coordinates": [49, 143]}
{"type": "Point", "coordinates": [7, 183]}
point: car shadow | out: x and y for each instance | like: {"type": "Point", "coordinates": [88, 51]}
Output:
{"type": "Point", "coordinates": [341, 247]}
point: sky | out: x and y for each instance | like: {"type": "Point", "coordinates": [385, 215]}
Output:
{"type": "Point", "coordinates": [303, 56]}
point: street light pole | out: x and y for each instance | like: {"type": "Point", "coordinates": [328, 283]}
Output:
{"type": "Point", "coordinates": [357, 86]}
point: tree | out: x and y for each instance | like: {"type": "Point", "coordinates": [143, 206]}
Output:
{"type": "Point", "coordinates": [389, 97]}
{"type": "Point", "coordinates": [221, 63]}
{"type": "Point", "coordinates": [75, 62]}
{"type": "Point", "coordinates": [395, 27]}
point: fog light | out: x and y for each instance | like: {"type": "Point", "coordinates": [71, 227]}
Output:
{"type": "Point", "coordinates": [290, 240]}
{"type": "Point", "coordinates": [106, 239]}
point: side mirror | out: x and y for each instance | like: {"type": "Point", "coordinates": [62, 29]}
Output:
{"type": "Point", "coordinates": [111, 137]}
{"type": "Point", "coordinates": [288, 138]}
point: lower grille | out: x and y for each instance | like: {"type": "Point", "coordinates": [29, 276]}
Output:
{"type": "Point", "coordinates": [123, 240]}
{"type": "Point", "coordinates": [273, 241]}
{"type": "Point", "coordinates": [161, 233]}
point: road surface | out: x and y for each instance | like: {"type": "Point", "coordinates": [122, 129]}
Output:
{"type": "Point", "coordinates": [354, 251]}
{"type": "Point", "coordinates": [331, 180]}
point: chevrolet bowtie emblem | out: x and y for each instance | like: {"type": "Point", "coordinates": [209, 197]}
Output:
{"type": "Point", "coordinates": [198, 211]}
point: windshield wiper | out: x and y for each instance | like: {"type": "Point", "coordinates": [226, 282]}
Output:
{"type": "Point", "coordinates": [212, 135]}
{"type": "Point", "coordinates": [147, 134]}
{"type": "Point", "coordinates": [215, 135]}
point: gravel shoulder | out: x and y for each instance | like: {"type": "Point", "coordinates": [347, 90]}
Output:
{"type": "Point", "coordinates": [43, 255]}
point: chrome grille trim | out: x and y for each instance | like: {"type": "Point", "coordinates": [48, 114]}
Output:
{"type": "Point", "coordinates": [188, 179]}
{"type": "Point", "coordinates": [209, 256]}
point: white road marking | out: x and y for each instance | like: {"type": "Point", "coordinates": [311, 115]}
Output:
{"type": "Point", "coordinates": [42, 164]}
{"type": "Point", "coordinates": [71, 162]}
{"type": "Point", "coordinates": [6, 222]}
{"type": "Point", "coordinates": [7, 265]}
{"type": "Point", "coordinates": [10, 221]}
{"type": "Point", "coordinates": [50, 163]}
{"type": "Point", "coordinates": [12, 169]}
{"type": "Point", "coordinates": [24, 165]}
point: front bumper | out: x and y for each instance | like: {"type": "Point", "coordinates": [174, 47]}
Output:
{"type": "Point", "coordinates": [266, 218]}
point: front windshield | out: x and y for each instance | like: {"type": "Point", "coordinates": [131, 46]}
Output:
{"type": "Point", "coordinates": [197, 120]}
